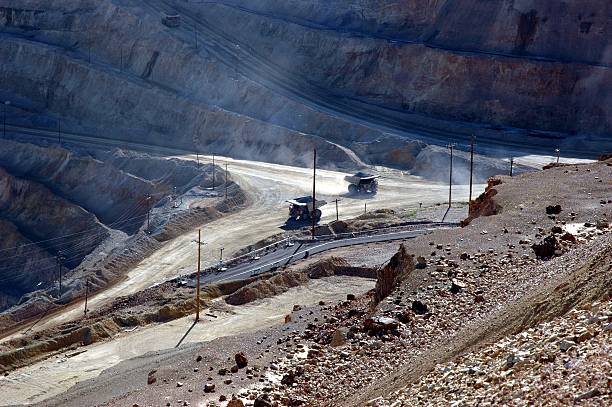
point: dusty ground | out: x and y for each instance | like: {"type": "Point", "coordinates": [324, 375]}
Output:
{"type": "Point", "coordinates": [54, 376]}
{"type": "Point", "coordinates": [484, 241]}
{"type": "Point", "coordinates": [499, 280]}
{"type": "Point", "coordinates": [268, 186]}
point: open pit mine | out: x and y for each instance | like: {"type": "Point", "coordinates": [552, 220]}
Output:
{"type": "Point", "coordinates": [305, 203]}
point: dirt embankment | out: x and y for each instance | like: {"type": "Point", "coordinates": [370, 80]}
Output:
{"type": "Point", "coordinates": [279, 283]}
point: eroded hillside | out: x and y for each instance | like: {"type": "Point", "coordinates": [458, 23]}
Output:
{"type": "Point", "coordinates": [98, 215]}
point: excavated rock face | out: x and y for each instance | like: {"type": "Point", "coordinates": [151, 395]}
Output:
{"type": "Point", "coordinates": [485, 204]}
{"type": "Point", "coordinates": [460, 60]}
{"type": "Point", "coordinates": [298, 74]}
{"type": "Point", "coordinates": [59, 203]}
{"type": "Point", "coordinates": [387, 278]}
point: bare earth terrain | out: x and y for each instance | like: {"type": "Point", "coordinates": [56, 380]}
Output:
{"type": "Point", "coordinates": [479, 283]}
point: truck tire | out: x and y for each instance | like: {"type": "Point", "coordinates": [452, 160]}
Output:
{"type": "Point", "coordinates": [352, 188]}
{"type": "Point", "coordinates": [318, 214]}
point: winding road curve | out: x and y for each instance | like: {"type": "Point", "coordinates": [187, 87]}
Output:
{"type": "Point", "coordinates": [269, 186]}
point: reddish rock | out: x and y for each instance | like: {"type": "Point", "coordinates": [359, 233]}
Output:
{"type": "Point", "coordinates": [241, 360]}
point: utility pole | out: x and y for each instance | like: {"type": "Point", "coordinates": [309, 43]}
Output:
{"type": "Point", "coordinates": [221, 256]}
{"type": "Point", "coordinates": [337, 214]}
{"type": "Point", "coordinates": [314, 201]}
{"type": "Point", "coordinates": [450, 179]}
{"type": "Point", "coordinates": [365, 207]}
{"type": "Point", "coordinates": [148, 200]}
{"type": "Point", "coordinates": [86, 295]}
{"type": "Point", "coordinates": [226, 179]}
{"type": "Point", "coordinates": [511, 164]}
{"type": "Point", "coordinates": [213, 165]}
{"type": "Point", "coordinates": [471, 171]}
{"type": "Point", "coordinates": [197, 318]}
{"type": "Point", "coordinates": [5, 105]}
{"type": "Point", "coordinates": [60, 263]}
{"type": "Point", "coordinates": [558, 151]}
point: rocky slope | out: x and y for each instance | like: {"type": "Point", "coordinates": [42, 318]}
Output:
{"type": "Point", "coordinates": [59, 202]}
{"type": "Point", "coordinates": [440, 296]}
{"type": "Point", "coordinates": [560, 362]}
{"type": "Point", "coordinates": [302, 74]}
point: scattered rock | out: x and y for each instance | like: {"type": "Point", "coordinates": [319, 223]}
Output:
{"type": "Point", "coordinates": [419, 308]}
{"type": "Point", "coordinates": [339, 337]}
{"type": "Point", "coordinates": [151, 377]}
{"type": "Point", "coordinates": [553, 209]}
{"type": "Point", "coordinates": [209, 388]}
{"type": "Point", "coordinates": [241, 360]}
{"type": "Point", "coordinates": [262, 401]}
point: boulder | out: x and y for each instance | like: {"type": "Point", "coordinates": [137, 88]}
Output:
{"type": "Point", "coordinates": [378, 325]}
{"type": "Point", "coordinates": [235, 402]}
{"type": "Point", "coordinates": [456, 286]}
{"type": "Point", "coordinates": [339, 337]}
{"type": "Point", "coordinates": [209, 388]}
{"type": "Point", "coordinates": [419, 308]}
{"type": "Point", "coordinates": [546, 248]}
{"type": "Point", "coordinates": [553, 209]}
{"type": "Point", "coordinates": [151, 377]}
{"type": "Point", "coordinates": [262, 401]}
{"type": "Point", "coordinates": [241, 360]}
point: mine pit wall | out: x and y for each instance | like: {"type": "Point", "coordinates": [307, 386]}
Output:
{"type": "Point", "coordinates": [172, 172]}
{"type": "Point", "coordinates": [57, 219]}
{"type": "Point", "coordinates": [109, 193]}
{"type": "Point", "coordinates": [483, 88]}
{"type": "Point", "coordinates": [21, 270]}
{"type": "Point", "coordinates": [503, 26]}
{"type": "Point", "coordinates": [162, 111]}
{"type": "Point", "coordinates": [196, 113]}
{"type": "Point", "coordinates": [58, 225]}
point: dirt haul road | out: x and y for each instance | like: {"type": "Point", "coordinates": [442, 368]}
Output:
{"type": "Point", "coordinates": [268, 186]}
{"type": "Point", "coordinates": [40, 381]}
